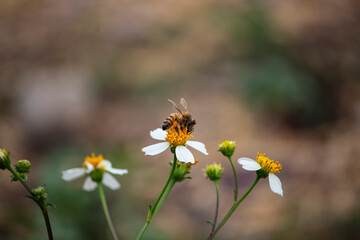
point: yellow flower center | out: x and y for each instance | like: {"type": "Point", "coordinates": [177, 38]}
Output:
{"type": "Point", "coordinates": [267, 164]}
{"type": "Point", "coordinates": [93, 160]}
{"type": "Point", "coordinates": [177, 138]}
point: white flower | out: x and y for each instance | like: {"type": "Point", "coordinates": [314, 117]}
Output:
{"type": "Point", "coordinates": [177, 139]}
{"type": "Point", "coordinates": [268, 167]}
{"type": "Point", "coordinates": [95, 163]}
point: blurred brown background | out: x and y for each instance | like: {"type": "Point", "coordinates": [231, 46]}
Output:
{"type": "Point", "coordinates": [280, 77]}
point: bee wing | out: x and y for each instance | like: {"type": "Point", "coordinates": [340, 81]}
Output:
{"type": "Point", "coordinates": [184, 104]}
{"type": "Point", "coordinates": [175, 106]}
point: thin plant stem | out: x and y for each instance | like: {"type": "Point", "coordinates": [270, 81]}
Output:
{"type": "Point", "coordinates": [216, 209]}
{"type": "Point", "coordinates": [167, 182]}
{"type": "Point", "coordinates": [165, 191]}
{"type": "Point", "coordinates": [20, 179]}
{"type": "Point", "coordinates": [236, 180]}
{"type": "Point", "coordinates": [39, 202]}
{"type": "Point", "coordinates": [171, 185]}
{"type": "Point", "coordinates": [106, 211]}
{"type": "Point", "coordinates": [233, 208]}
{"type": "Point", "coordinates": [47, 222]}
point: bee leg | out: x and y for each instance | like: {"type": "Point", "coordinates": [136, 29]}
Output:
{"type": "Point", "coordinates": [177, 129]}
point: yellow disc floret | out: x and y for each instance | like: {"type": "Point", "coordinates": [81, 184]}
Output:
{"type": "Point", "coordinates": [176, 138]}
{"type": "Point", "coordinates": [267, 164]}
{"type": "Point", "coordinates": [93, 160]}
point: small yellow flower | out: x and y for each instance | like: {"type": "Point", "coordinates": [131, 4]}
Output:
{"type": "Point", "coordinates": [93, 160]}
{"type": "Point", "coordinates": [98, 170]}
{"type": "Point", "coordinates": [267, 164]}
{"type": "Point", "coordinates": [264, 167]}
{"type": "Point", "coordinates": [179, 140]}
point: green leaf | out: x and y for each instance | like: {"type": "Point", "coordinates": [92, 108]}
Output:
{"type": "Point", "coordinates": [51, 205]}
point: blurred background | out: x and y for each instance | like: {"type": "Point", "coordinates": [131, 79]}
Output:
{"type": "Point", "coordinates": [280, 77]}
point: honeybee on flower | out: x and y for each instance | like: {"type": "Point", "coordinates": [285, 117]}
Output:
{"type": "Point", "coordinates": [184, 121]}
{"type": "Point", "coordinates": [98, 170]}
{"type": "Point", "coordinates": [176, 132]}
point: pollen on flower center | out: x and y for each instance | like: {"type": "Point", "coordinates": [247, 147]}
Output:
{"type": "Point", "coordinates": [93, 160]}
{"type": "Point", "coordinates": [267, 164]}
{"type": "Point", "coordinates": [176, 138]}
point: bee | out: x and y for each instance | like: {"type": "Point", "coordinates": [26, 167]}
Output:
{"type": "Point", "coordinates": [182, 121]}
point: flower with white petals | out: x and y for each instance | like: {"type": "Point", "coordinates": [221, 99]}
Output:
{"type": "Point", "coordinates": [264, 167]}
{"type": "Point", "coordinates": [98, 170]}
{"type": "Point", "coordinates": [177, 140]}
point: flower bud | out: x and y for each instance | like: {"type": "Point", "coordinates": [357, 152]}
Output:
{"type": "Point", "coordinates": [40, 192]}
{"type": "Point", "coordinates": [22, 175]}
{"type": "Point", "coordinates": [213, 171]}
{"type": "Point", "coordinates": [181, 170]}
{"type": "Point", "coordinates": [227, 148]}
{"type": "Point", "coordinates": [4, 159]}
{"type": "Point", "coordinates": [97, 175]}
{"type": "Point", "coordinates": [23, 166]}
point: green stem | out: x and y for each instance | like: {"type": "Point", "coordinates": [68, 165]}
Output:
{"type": "Point", "coordinates": [20, 179]}
{"type": "Point", "coordinates": [167, 182]}
{"type": "Point", "coordinates": [216, 209]}
{"type": "Point", "coordinates": [106, 211]}
{"type": "Point", "coordinates": [165, 191]}
{"type": "Point", "coordinates": [233, 208]}
{"type": "Point", "coordinates": [141, 233]}
{"type": "Point", "coordinates": [47, 222]}
{"type": "Point", "coordinates": [236, 180]}
{"type": "Point", "coordinates": [171, 185]}
{"type": "Point", "coordinates": [40, 203]}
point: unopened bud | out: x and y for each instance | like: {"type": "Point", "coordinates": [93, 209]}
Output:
{"type": "Point", "coordinates": [213, 171]}
{"type": "Point", "coordinates": [227, 148]}
{"type": "Point", "coordinates": [40, 192]}
{"type": "Point", "coordinates": [22, 175]}
{"type": "Point", "coordinates": [181, 170]}
{"type": "Point", "coordinates": [4, 159]}
{"type": "Point", "coordinates": [23, 166]}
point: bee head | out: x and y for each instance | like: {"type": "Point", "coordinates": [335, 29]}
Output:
{"type": "Point", "coordinates": [190, 125]}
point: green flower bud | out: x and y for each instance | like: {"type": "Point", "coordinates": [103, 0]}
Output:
{"type": "Point", "coordinates": [22, 175]}
{"type": "Point", "coordinates": [40, 192]}
{"type": "Point", "coordinates": [4, 159]}
{"type": "Point", "coordinates": [213, 171]}
{"type": "Point", "coordinates": [97, 175]}
{"type": "Point", "coordinates": [227, 148]}
{"type": "Point", "coordinates": [23, 166]}
{"type": "Point", "coordinates": [181, 170]}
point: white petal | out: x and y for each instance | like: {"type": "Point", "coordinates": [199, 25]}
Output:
{"type": "Point", "coordinates": [90, 167]}
{"type": "Point", "coordinates": [249, 164]}
{"type": "Point", "coordinates": [184, 154]}
{"type": "Point", "coordinates": [198, 146]}
{"type": "Point", "coordinates": [72, 174]}
{"type": "Point", "coordinates": [118, 171]}
{"type": "Point", "coordinates": [158, 134]}
{"type": "Point", "coordinates": [156, 148]}
{"type": "Point", "coordinates": [89, 184]}
{"type": "Point", "coordinates": [275, 184]}
{"type": "Point", "coordinates": [110, 181]}
{"type": "Point", "coordinates": [104, 164]}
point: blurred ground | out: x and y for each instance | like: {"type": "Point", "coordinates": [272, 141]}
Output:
{"type": "Point", "coordinates": [280, 77]}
